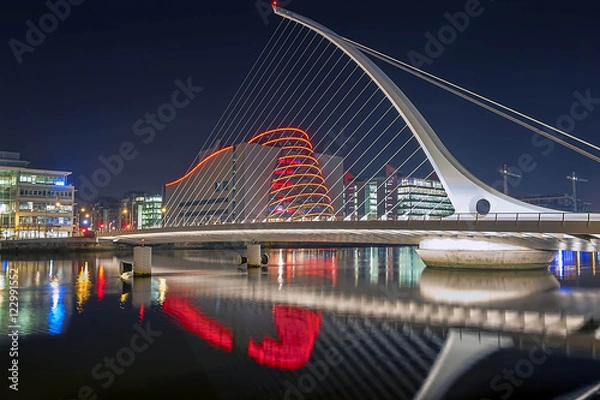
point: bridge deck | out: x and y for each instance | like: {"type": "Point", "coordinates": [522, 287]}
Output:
{"type": "Point", "coordinates": [558, 233]}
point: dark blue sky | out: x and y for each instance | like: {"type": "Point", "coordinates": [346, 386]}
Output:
{"type": "Point", "coordinates": [78, 94]}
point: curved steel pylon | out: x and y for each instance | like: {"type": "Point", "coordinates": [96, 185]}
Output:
{"type": "Point", "coordinates": [467, 193]}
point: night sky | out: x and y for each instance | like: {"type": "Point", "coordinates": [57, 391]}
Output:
{"type": "Point", "coordinates": [78, 94]}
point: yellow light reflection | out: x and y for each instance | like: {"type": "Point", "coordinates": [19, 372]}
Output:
{"type": "Point", "coordinates": [83, 286]}
{"type": "Point", "coordinates": [123, 300]}
{"type": "Point", "coordinates": [162, 290]}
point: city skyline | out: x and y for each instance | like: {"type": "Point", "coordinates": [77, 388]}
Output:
{"type": "Point", "coordinates": [535, 67]}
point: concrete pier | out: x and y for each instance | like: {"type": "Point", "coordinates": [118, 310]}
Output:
{"type": "Point", "coordinates": [253, 255]}
{"type": "Point", "coordinates": [142, 261]}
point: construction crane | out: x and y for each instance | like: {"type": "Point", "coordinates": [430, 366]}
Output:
{"type": "Point", "coordinates": [506, 173]}
{"type": "Point", "coordinates": [574, 179]}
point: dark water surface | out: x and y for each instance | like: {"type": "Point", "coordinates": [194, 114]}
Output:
{"type": "Point", "coordinates": [352, 323]}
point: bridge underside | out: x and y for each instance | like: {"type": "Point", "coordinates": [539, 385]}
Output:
{"type": "Point", "coordinates": [531, 234]}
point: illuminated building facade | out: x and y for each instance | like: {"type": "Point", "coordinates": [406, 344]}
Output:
{"type": "Point", "coordinates": [422, 197]}
{"type": "Point", "coordinates": [395, 197]}
{"type": "Point", "coordinates": [150, 212]}
{"type": "Point", "coordinates": [34, 203]}
{"type": "Point", "coordinates": [276, 176]}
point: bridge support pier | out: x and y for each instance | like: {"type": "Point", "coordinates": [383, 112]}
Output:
{"type": "Point", "coordinates": [481, 254]}
{"type": "Point", "coordinates": [253, 255]}
{"type": "Point", "coordinates": [142, 261]}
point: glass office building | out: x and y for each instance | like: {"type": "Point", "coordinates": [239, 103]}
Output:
{"type": "Point", "coordinates": [421, 197]}
{"type": "Point", "coordinates": [393, 197]}
{"type": "Point", "coordinates": [34, 203]}
{"type": "Point", "coordinates": [150, 212]}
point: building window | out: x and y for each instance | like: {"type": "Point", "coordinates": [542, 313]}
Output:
{"type": "Point", "coordinates": [225, 185]}
{"type": "Point", "coordinates": [217, 186]}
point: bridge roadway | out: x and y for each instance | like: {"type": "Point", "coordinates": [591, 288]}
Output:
{"type": "Point", "coordinates": [577, 232]}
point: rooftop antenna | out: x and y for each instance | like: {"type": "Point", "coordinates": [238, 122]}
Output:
{"type": "Point", "coordinates": [506, 173]}
{"type": "Point", "coordinates": [574, 179]}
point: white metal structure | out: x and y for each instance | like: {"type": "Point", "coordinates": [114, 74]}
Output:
{"type": "Point", "coordinates": [466, 192]}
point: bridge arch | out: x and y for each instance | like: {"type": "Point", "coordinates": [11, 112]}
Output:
{"type": "Point", "coordinates": [467, 193]}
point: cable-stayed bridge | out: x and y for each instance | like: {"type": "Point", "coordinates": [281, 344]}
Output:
{"type": "Point", "coordinates": [298, 153]}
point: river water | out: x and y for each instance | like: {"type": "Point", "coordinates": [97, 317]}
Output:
{"type": "Point", "coordinates": [335, 323]}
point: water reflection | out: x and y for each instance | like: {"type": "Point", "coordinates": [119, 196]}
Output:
{"type": "Point", "coordinates": [478, 286]}
{"type": "Point", "coordinates": [193, 319]}
{"type": "Point", "coordinates": [44, 292]}
{"type": "Point", "coordinates": [358, 322]}
{"type": "Point", "coordinates": [100, 283]}
{"type": "Point", "coordinates": [83, 286]}
{"type": "Point", "coordinates": [298, 329]}
{"type": "Point", "coordinates": [57, 313]}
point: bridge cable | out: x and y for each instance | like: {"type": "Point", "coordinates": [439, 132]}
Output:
{"type": "Point", "coordinates": [235, 138]}
{"type": "Point", "coordinates": [339, 104]}
{"type": "Point", "coordinates": [440, 83]}
{"type": "Point", "coordinates": [396, 170]}
{"type": "Point", "coordinates": [185, 190]}
{"type": "Point", "coordinates": [357, 81]}
{"type": "Point", "coordinates": [208, 182]}
{"type": "Point", "coordinates": [179, 190]}
{"type": "Point", "coordinates": [293, 94]}
{"type": "Point", "coordinates": [278, 106]}
{"type": "Point", "coordinates": [314, 120]}
{"type": "Point", "coordinates": [255, 69]}
{"type": "Point", "coordinates": [373, 142]}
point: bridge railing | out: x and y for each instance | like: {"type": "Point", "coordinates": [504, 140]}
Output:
{"type": "Point", "coordinates": [516, 217]}
{"type": "Point", "coordinates": [556, 217]}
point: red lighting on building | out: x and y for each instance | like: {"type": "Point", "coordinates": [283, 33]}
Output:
{"type": "Point", "coordinates": [200, 164]}
{"type": "Point", "coordinates": [298, 187]}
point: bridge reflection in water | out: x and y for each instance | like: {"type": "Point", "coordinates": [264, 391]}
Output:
{"type": "Point", "coordinates": [330, 323]}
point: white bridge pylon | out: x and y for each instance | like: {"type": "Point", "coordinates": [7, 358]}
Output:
{"type": "Point", "coordinates": [468, 194]}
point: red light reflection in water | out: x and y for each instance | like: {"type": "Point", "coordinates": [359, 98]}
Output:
{"type": "Point", "coordinates": [315, 269]}
{"type": "Point", "coordinates": [298, 329]}
{"type": "Point", "coordinates": [100, 283]}
{"type": "Point", "coordinates": [141, 315]}
{"type": "Point", "coordinates": [192, 319]}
